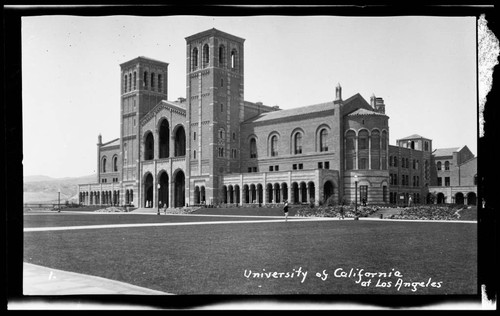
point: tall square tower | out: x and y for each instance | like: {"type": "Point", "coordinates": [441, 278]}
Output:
{"type": "Point", "coordinates": [214, 96]}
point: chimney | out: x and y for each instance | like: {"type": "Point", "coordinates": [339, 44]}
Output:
{"type": "Point", "coordinates": [99, 140]}
{"type": "Point", "coordinates": [372, 100]}
{"type": "Point", "coordinates": [338, 92]}
{"type": "Point", "coordinates": [379, 105]}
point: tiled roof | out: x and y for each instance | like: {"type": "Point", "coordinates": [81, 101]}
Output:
{"type": "Point", "coordinates": [293, 112]}
{"type": "Point", "coordinates": [441, 152]}
{"type": "Point", "coordinates": [413, 137]}
{"type": "Point", "coordinates": [181, 106]}
{"type": "Point", "coordinates": [115, 142]}
{"type": "Point", "coordinates": [364, 112]}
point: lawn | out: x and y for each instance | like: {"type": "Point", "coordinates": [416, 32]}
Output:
{"type": "Point", "coordinates": [68, 219]}
{"type": "Point", "coordinates": [222, 259]}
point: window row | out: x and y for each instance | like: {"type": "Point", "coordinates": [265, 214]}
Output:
{"type": "Point", "coordinates": [446, 181]}
{"type": "Point", "coordinates": [405, 162]}
{"type": "Point", "coordinates": [223, 62]}
{"type": "Point", "coordinates": [297, 140]}
{"type": "Point", "coordinates": [365, 140]}
{"type": "Point", "coordinates": [149, 81]}
{"type": "Point", "coordinates": [164, 142]}
{"type": "Point", "coordinates": [439, 165]}
{"type": "Point", "coordinates": [393, 180]}
{"type": "Point", "coordinates": [114, 164]}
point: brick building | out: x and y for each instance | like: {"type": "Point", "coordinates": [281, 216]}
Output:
{"type": "Point", "coordinates": [214, 147]}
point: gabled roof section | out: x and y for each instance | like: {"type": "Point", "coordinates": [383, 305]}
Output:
{"type": "Point", "coordinates": [444, 152]}
{"type": "Point", "coordinates": [364, 112]}
{"type": "Point", "coordinates": [114, 142]}
{"type": "Point", "coordinates": [355, 103]}
{"type": "Point", "coordinates": [172, 106]}
{"type": "Point", "coordinates": [214, 32]}
{"type": "Point", "coordinates": [143, 58]}
{"type": "Point", "coordinates": [274, 115]}
{"type": "Point", "coordinates": [414, 136]}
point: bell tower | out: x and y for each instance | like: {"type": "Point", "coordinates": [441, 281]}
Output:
{"type": "Point", "coordinates": [143, 85]}
{"type": "Point", "coordinates": [215, 94]}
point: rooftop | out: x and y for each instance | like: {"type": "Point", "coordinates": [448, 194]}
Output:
{"type": "Point", "coordinates": [364, 112]}
{"type": "Point", "coordinates": [115, 142]}
{"type": "Point", "coordinates": [293, 112]}
{"type": "Point", "coordinates": [441, 152]}
{"type": "Point", "coordinates": [414, 136]}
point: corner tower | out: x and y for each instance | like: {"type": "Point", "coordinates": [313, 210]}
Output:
{"type": "Point", "coordinates": [143, 85]}
{"type": "Point", "coordinates": [215, 94]}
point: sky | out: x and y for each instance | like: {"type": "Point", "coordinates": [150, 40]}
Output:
{"type": "Point", "coordinates": [423, 67]}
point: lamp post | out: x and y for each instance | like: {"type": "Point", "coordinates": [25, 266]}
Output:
{"type": "Point", "coordinates": [59, 200]}
{"type": "Point", "coordinates": [355, 196]}
{"type": "Point", "coordinates": [158, 199]}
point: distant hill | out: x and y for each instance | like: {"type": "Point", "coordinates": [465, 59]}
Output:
{"type": "Point", "coordinates": [44, 189]}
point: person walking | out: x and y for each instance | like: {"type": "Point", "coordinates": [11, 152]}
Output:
{"type": "Point", "coordinates": [165, 208]}
{"type": "Point", "coordinates": [341, 213]}
{"type": "Point", "coordinates": [285, 210]}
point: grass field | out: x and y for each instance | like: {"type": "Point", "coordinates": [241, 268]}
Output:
{"type": "Point", "coordinates": [222, 259]}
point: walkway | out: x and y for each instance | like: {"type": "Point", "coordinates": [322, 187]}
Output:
{"type": "Point", "coordinates": [38, 280]}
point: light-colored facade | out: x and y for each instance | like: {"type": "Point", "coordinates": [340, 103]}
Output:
{"type": "Point", "coordinates": [213, 147]}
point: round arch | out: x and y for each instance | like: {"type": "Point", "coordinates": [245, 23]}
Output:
{"type": "Point", "coordinates": [459, 198]}
{"type": "Point", "coordinates": [148, 186]}
{"type": "Point", "coordinates": [471, 198]}
{"type": "Point", "coordinates": [163, 127]}
{"type": "Point", "coordinates": [163, 181]}
{"type": "Point", "coordinates": [179, 140]}
{"type": "Point", "coordinates": [179, 188]}
{"type": "Point", "coordinates": [148, 141]}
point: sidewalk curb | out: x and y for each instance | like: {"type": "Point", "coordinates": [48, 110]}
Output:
{"type": "Point", "coordinates": [40, 280]}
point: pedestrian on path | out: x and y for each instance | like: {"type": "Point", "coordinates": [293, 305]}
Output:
{"type": "Point", "coordinates": [342, 212]}
{"type": "Point", "coordinates": [165, 208]}
{"type": "Point", "coordinates": [285, 210]}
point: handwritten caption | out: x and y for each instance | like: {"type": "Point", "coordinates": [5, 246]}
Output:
{"type": "Point", "coordinates": [364, 278]}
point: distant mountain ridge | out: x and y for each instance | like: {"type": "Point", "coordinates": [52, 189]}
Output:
{"type": "Point", "coordinates": [45, 189]}
{"type": "Point", "coordinates": [80, 180]}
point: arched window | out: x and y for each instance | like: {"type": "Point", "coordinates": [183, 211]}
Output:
{"type": "Point", "coordinates": [253, 148]}
{"type": "Point", "coordinates": [194, 59]}
{"type": "Point", "coordinates": [164, 134]}
{"type": "Point", "coordinates": [135, 80]}
{"type": "Point", "coordinates": [323, 136]}
{"type": "Point", "coordinates": [438, 165]}
{"type": "Point", "coordinates": [129, 82]}
{"type": "Point", "coordinates": [221, 134]}
{"type": "Point", "coordinates": [234, 59]}
{"type": "Point", "coordinates": [363, 149]}
{"type": "Point", "coordinates": [350, 149]}
{"type": "Point", "coordinates": [446, 165]}
{"type": "Point", "coordinates": [125, 84]}
{"type": "Point", "coordinates": [115, 164]}
{"type": "Point", "coordinates": [274, 146]}
{"type": "Point", "coordinates": [222, 56]}
{"type": "Point", "coordinates": [475, 179]}
{"type": "Point", "coordinates": [149, 147]}
{"type": "Point", "coordinates": [375, 150]}
{"type": "Point", "coordinates": [145, 80]}
{"type": "Point", "coordinates": [297, 143]}
{"type": "Point", "coordinates": [206, 57]}
{"type": "Point", "coordinates": [384, 140]}
{"type": "Point", "coordinates": [103, 164]}
{"type": "Point", "coordinates": [363, 140]}
{"type": "Point", "coordinates": [160, 83]}
{"type": "Point", "coordinates": [152, 81]}
{"type": "Point", "coordinates": [180, 142]}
